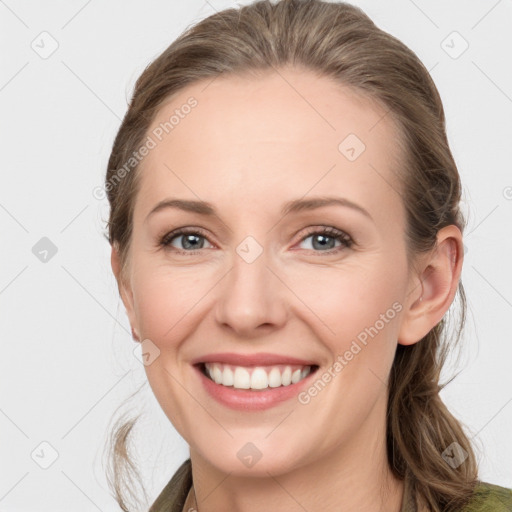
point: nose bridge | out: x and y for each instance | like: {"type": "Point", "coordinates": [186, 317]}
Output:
{"type": "Point", "coordinates": [251, 295]}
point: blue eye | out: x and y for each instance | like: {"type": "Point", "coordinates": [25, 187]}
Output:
{"type": "Point", "coordinates": [193, 239]}
{"type": "Point", "coordinates": [324, 239]}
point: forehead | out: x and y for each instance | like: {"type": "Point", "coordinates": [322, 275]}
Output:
{"type": "Point", "coordinates": [263, 140]}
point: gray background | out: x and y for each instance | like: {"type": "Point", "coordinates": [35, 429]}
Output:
{"type": "Point", "coordinates": [67, 355]}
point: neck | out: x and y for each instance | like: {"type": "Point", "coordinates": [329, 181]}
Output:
{"type": "Point", "coordinates": [354, 476]}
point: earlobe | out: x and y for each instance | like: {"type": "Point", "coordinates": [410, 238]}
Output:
{"type": "Point", "coordinates": [135, 335]}
{"type": "Point", "coordinates": [124, 289]}
{"type": "Point", "coordinates": [434, 289]}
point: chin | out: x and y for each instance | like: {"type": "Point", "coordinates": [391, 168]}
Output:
{"type": "Point", "coordinates": [255, 459]}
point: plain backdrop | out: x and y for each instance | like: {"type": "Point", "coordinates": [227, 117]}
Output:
{"type": "Point", "coordinates": [67, 71]}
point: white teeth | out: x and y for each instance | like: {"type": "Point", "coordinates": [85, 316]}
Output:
{"type": "Point", "coordinates": [274, 378]}
{"type": "Point", "coordinates": [286, 377]}
{"type": "Point", "coordinates": [255, 378]}
{"type": "Point", "coordinates": [217, 374]}
{"type": "Point", "coordinates": [305, 372]}
{"type": "Point", "coordinates": [242, 379]}
{"type": "Point", "coordinates": [296, 376]}
{"type": "Point", "coordinates": [227, 377]}
{"type": "Point", "coordinates": [259, 379]}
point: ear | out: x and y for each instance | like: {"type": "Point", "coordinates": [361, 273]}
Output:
{"type": "Point", "coordinates": [124, 290]}
{"type": "Point", "coordinates": [433, 286]}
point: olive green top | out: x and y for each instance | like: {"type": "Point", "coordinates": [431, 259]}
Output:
{"type": "Point", "coordinates": [487, 497]}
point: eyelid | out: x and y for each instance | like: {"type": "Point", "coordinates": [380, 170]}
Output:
{"type": "Point", "coordinates": [325, 229]}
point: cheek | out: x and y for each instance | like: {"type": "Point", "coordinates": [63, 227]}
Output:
{"type": "Point", "coordinates": [167, 303]}
{"type": "Point", "coordinates": [164, 298]}
{"type": "Point", "coordinates": [357, 301]}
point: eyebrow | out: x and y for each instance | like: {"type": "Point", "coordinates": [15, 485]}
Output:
{"type": "Point", "coordinates": [297, 205]}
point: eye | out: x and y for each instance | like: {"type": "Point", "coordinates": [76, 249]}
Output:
{"type": "Point", "coordinates": [189, 239]}
{"type": "Point", "coordinates": [324, 240]}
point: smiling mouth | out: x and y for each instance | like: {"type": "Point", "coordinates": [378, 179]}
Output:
{"type": "Point", "coordinates": [256, 377]}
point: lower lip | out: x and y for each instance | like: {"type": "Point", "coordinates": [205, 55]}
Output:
{"type": "Point", "coordinates": [250, 400]}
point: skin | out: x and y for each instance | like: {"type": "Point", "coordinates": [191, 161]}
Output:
{"type": "Point", "coordinates": [250, 145]}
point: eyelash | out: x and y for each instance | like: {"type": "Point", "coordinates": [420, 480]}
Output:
{"type": "Point", "coordinates": [331, 232]}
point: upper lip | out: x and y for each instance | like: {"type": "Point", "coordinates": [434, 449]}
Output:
{"type": "Point", "coordinates": [261, 359]}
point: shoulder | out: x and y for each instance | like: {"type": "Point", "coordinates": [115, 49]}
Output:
{"type": "Point", "coordinates": [489, 497]}
{"type": "Point", "coordinates": [173, 496]}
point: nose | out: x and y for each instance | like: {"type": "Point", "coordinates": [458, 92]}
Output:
{"type": "Point", "coordinates": [252, 299]}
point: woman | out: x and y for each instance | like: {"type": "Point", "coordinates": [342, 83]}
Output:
{"type": "Point", "coordinates": [287, 239]}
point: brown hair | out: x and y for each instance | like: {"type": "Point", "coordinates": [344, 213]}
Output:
{"type": "Point", "coordinates": [339, 41]}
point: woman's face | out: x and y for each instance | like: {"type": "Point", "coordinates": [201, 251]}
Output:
{"type": "Point", "coordinates": [256, 283]}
